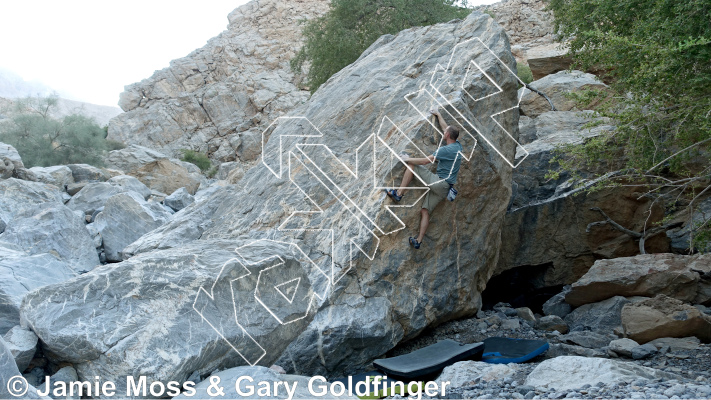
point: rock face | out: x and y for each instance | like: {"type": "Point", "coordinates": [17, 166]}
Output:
{"type": "Point", "coordinates": [526, 22]}
{"type": "Point", "coordinates": [179, 199]}
{"type": "Point", "coordinates": [156, 170]}
{"type": "Point", "coordinates": [22, 344]}
{"type": "Point", "coordinates": [602, 317]}
{"type": "Point", "coordinates": [125, 218]}
{"type": "Point", "coordinates": [556, 87]}
{"type": "Point", "coordinates": [55, 229]}
{"type": "Point", "coordinates": [219, 97]}
{"type": "Point", "coordinates": [647, 275]}
{"type": "Point", "coordinates": [17, 195]}
{"type": "Point", "coordinates": [573, 372]}
{"type": "Point", "coordinates": [552, 233]}
{"type": "Point", "coordinates": [663, 316]}
{"type": "Point", "coordinates": [8, 370]}
{"type": "Point", "coordinates": [548, 59]}
{"type": "Point", "coordinates": [9, 153]}
{"type": "Point", "coordinates": [19, 274]}
{"type": "Point", "coordinates": [142, 317]}
{"type": "Point", "coordinates": [383, 291]}
{"type": "Point", "coordinates": [59, 175]}
{"type": "Point", "coordinates": [532, 34]}
{"type": "Point", "coordinates": [467, 373]}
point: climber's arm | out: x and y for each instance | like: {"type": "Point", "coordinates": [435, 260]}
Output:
{"type": "Point", "coordinates": [442, 124]}
{"type": "Point", "coordinates": [421, 161]}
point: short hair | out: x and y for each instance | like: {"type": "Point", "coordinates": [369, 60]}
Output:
{"type": "Point", "coordinates": [453, 132]}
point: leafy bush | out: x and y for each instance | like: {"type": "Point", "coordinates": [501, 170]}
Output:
{"type": "Point", "coordinates": [339, 37]}
{"type": "Point", "coordinates": [44, 141]}
{"type": "Point", "coordinates": [524, 73]}
{"type": "Point", "coordinates": [656, 57]}
{"type": "Point", "coordinates": [197, 158]}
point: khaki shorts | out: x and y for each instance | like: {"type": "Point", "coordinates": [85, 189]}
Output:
{"type": "Point", "coordinates": [438, 191]}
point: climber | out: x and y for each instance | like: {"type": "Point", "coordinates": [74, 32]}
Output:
{"type": "Point", "coordinates": [449, 158]}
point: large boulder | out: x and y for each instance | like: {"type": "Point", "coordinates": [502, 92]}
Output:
{"type": "Point", "coordinates": [663, 316]}
{"type": "Point", "coordinates": [646, 275]}
{"type": "Point", "coordinates": [468, 373]}
{"type": "Point", "coordinates": [125, 218]}
{"type": "Point", "coordinates": [88, 173]}
{"type": "Point", "coordinates": [8, 374]}
{"type": "Point", "coordinates": [166, 176]}
{"type": "Point", "coordinates": [93, 196]}
{"type": "Point", "coordinates": [131, 184]}
{"type": "Point", "coordinates": [153, 314]}
{"type": "Point", "coordinates": [603, 317]}
{"type": "Point", "coordinates": [383, 291]}
{"type": "Point", "coordinates": [156, 170]}
{"type": "Point", "coordinates": [19, 274]}
{"type": "Point", "coordinates": [548, 59]}
{"type": "Point", "coordinates": [557, 87]}
{"type": "Point", "coordinates": [56, 229]}
{"type": "Point", "coordinates": [17, 195]}
{"type": "Point", "coordinates": [179, 199]}
{"type": "Point", "coordinates": [59, 175]}
{"type": "Point", "coordinates": [573, 372]}
{"type": "Point", "coordinates": [558, 128]}
{"type": "Point", "coordinates": [133, 157]}
{"type": "Point", "coordinates": [9, 153]}
{"type": "Point", "coordinates": [22, 343]}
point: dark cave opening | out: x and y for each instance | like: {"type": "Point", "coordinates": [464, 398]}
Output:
{"type": "Point", "coordinates": [522, 286]}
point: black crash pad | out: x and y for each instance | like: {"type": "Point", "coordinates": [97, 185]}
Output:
{"type": "Point", "coordinates": [429, 360]}
{"type": "Point", "coordinates": [500, 350]}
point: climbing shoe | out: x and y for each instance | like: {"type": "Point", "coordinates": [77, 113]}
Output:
{"type": "Point", "coordinates": [392, 193]}
{"type": "Point", "coordinates": [414, 243]}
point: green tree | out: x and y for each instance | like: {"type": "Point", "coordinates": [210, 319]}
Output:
{"type": "Point", "coordinates": [656, 56]}
{"type": "Point", "coordinates": [339, 37]}
{"type": "Point", "coordinates": [43, 140]}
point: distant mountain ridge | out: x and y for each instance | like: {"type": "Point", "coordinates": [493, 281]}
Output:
{"type": "Point", "coordinates": [13, 86]}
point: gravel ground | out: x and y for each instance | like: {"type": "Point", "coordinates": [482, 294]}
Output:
{"type": "Point", "coordinates": [693, 366]}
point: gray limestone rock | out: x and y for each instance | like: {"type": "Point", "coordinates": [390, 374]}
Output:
{"type": "Point", "coordinates": [22, 344]}
{"type": "Point", "coordinates": [179, 199]}
{"type": "Point", "coordinates": [59, 175]}
{"type": "Point", "coordinates": [56, 229]}
{"type": "Point", "coordinates": [19, 274]}
{"type": "Point", "coordinates": [556, 305]}
{"type": "Point", "coordinates": [125, 218]}
{"type": "Point", "coordinates": [17, 195]}
{"type": "Point", "coordinates": [8, 370]}
{"type": "Point", "coordinates": [556, 87]}
{"type": "Point", "coordinates": [153, 314]}
{"type": "Point", "coordinates": [131, 184]}
{"type": "Point", "coordinates": [93, 196]}
{"type": "Point", "coordinates": [602, 317]}
{"type": "Point", "coordinates": [88, 173]}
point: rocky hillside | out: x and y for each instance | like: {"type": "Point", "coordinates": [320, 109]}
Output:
{"type": "Point", "coordinates": [530, 29]}
{"type": "Point", "coordinates": [220, 98]}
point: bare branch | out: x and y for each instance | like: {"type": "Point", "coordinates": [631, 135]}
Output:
{"type": "Point", "coordinates": [677, 153]}
{"type": "Point", "coordinates": [538, 92]}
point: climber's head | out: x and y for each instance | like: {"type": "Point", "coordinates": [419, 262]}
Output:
{"type": "Point", "coordinates": [451, 133]}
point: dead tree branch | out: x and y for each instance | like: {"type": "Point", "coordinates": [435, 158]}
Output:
{"type": "Point", "coordinates": [641, 236]}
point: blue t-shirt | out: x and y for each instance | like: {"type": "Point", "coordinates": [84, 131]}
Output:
{"type": "Point", "coordinates": [449, 159]}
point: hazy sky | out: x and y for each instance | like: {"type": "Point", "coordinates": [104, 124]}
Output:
{"type": "Point", "coordinates": [92, 49]}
